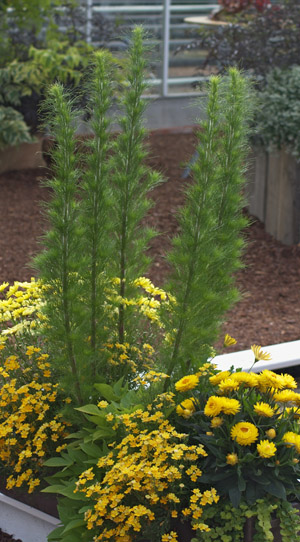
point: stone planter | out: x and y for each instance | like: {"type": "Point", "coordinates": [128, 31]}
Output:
{"type": "Point", "coordinates": [273, 193]}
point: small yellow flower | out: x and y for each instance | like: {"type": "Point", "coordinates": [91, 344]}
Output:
{"type": "Point", "coordinates": [271, 433]}
{"type": "Point", "coordinates": [259, 354]}
{"type": "Point", "coordinates": [187, 383]}
{"type": "Point", "coordinates": [216, 421]}
{"type": "Point", "coordinates": [266, 449]}
{"type": "Point", "coordinates": [228, 340]}
{"type": "Point", "coordinates": [232, 459]}
{"type": "Point", "coordinates": [186, 408]}
{"type": "Point", "coordinates": [244, 433]}
{"type": "Point", "coordinates": [102, 404]}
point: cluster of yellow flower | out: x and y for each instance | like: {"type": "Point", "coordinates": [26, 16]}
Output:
{"type": "Point", "coordinates": [30, 432]}
{"type": "Point", "coordinates": [135, 358]}
{"type": "Point", "coordinates": [148, 305]}
{"type": "Point", "coordinates": [153, 466]}
{"type": "Point", "coordinates": [262, 401]}
{"type": "Point", "coordinates": [20, 307]}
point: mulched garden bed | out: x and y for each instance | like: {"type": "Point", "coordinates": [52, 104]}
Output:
{"type": "Point", "coordinates": [269, 310]}
{"type": "Point", "coordinates": [270, 282]}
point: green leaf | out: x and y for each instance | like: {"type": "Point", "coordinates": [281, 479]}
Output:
{"type": "Point", "coordinates": [91, 449]}
{"type": "Point", "coordinates": [55, 535]}
{"type": "Point", "coordinates": [235, 496]}
{"type": "Point", "coordinates": [90, 409]}
{"type": "Point", "coordinates": [103, 433]}
{"type": "Point", "coordinates": [107, 392]}
{"type": "Point", "coordinates": [277, 489]}
{"type": "Point", "coordinates": [74, 524]}
{"type": "Point", "coordinates": [65, 491]}
{"type": "Point", "coordinates": [58, 462]}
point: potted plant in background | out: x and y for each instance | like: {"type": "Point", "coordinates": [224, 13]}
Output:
{"type": "Point", "coordinates": [269, 42]}
{"type": "Point", "coordinates": [95, 350]}
{"type": "Point", "coordinates": [36, 52]}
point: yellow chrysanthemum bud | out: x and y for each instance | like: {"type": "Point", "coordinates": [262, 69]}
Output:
{"type": "Point", "coordinates": [232, 459]}
{"type": "Point", "coordinates": [271, 433]}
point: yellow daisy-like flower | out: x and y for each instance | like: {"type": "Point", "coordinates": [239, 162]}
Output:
{"type": "Point", "coordinates": [289, 381]}
{"type": "Point", "coordinates": [229, 384]}
{"type": "Point", "coordinates": [187, 383]}
{"type": "Point", "coordinates": [186, 408]}
{"type": "Point", "coordinates": [216, 379]}
{"type": "Point", "coordinates": [248, 379]}
{"type": "Point", "coordinates": [232, 459]}
{"type": "Point", "coordinates": [266, 448]}
{"type": "Point", "coordinates": [216, 422]}
{"type": "Point", "coordinates": [268, 379]}
{"type": "Point", "coordinates": [287, 396]}
{"type": "Point", "coordinates": [260, 354]}
{"type": "Point", "coordinates": [244, 433]}
{"type": "Point", "coordinates": [292, 439]}
{"type": "Point", "coordinates": [271, 433]}
{"type": "Point", "coordinates": [228, 340]}
{"type": "Point", "coordinates": [170, 537]}
{"type": "Point", "coordinates": [230, 406]}
{"type": "Point", "coordinates": [263, 409]}
{"type": "Point", "coordinates": [213, 406]}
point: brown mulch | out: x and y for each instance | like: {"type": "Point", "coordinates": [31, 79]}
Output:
{"type": "Point", "coordinates": [4, 537]}
{"type": "Point", "coordinates": [270, 282]}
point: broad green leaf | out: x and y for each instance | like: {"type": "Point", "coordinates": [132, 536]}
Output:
{"type": "Point", "coordinates": [107, 392]}
{"type": "Point", "coordinates": [74, 524]}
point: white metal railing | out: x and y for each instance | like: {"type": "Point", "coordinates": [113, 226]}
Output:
{"type": "Point", "coordinates": [165, 9]}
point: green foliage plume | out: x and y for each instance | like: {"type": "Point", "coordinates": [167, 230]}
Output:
{"type": "Point", "coordinates": [207, 252]}
{"type": "Point", "coordinates": [132, 180]}
{"type": "Point", "coordinates": [58, 263]}
{"type": "Point", "coordinates": [95, 234]}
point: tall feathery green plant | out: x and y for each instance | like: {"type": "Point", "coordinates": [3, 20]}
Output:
{"type": "Point", "coordinates": [94, 209]}
{"type": "Point", "coordinates": [208, 249]}
{"type": "Point", "coordinates": [58, 263]}
{"type": "Point", "coordinates": [95, 225]}
{"type": "Point", "coordinates": [132, 181]}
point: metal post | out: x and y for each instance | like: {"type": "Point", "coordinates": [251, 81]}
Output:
{"type": "Point", "coordinates": [89, 11]}
{"type": "Point", "coordinates": [166, 39]}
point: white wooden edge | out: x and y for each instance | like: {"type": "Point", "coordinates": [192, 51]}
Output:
{"type": "Point", "coordinates": [283, 356]}
{"type": "Point", "coordinates": [28, 509]}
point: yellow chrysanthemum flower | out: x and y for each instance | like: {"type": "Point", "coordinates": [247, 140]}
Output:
{"type": "Point", "coordinates": [268, 379]}
{"type": "Point", "coordinates": [230, 406]}
{"type": "Point", "coordinates": [263, 409]}
{"type": "Point", "coordinates": [289, 381]}
{"type": "Point", "coordinates": [232, 459]}
{"type": "Point", "coordinates": [248, 379]}
{"type": "Point", "coordinates": [186, 408]}
{"type": "Point", "coordinates": [213, 406]}
{"type": "Point", "coordinates": [292, 439]}
{"type": "Point", "coordinates": [187, 383]}
{"type": "Point", "coordinates": [216, 379]}
{"type": "Point", "coordinates": [266, 448]}
{"type": "Point", "coordinates": [245, 433]}
{"type": "Point", "coordinates": [260, 354]}
{"type": "Point", "coordinates": [228, 340]}
{"type": "Point", "coordinates": [229, 384]}
{"type": "Point", "coordinates": [287, 396]}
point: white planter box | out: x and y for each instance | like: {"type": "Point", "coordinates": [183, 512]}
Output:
{"type": "Point", "coordinates": [24, 522]}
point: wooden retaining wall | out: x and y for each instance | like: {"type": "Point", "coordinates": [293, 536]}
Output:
{"type": "Point", "coordinates": [273, 193]}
